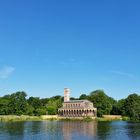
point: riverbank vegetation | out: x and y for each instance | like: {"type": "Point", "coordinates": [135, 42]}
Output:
{"type": "Point", "coordinates": [18, 104]}
{"type": "Point", "coordinates": [5, 118]}
{"type": "Point", "coordinates": [13, 118]}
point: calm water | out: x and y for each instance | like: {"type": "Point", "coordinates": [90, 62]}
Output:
{"type": "Point", "coordinates": [63, 130]}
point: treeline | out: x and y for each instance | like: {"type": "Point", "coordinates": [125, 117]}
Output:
{"type": "Point", "coordinates": [129, 107]}
{"type": "Point", "coordinates": [18, 104]}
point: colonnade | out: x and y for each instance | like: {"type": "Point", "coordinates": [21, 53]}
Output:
{"type": "Point", "coordinates": [76, 112]}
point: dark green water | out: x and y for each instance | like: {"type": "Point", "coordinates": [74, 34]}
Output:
{"type": "Point", "coordinates": [64, 130]}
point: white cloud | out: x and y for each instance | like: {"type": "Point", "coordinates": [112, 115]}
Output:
{"type": "Point", "coordinates": [6, 71]}
{"type": "Point", "coordinates": [123, 74]}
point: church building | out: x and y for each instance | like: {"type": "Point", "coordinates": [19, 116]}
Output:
{"type": "Point", "coordinates": [76, 108]}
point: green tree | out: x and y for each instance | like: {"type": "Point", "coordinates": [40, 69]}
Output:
{"type": "Point", "coordinates": [30, 110]}
{"type": "Point", "coordinates": [51, 110]}
{"type": "Point", "coordinates": [37, 107]}
{"type": "Point", "coordinates": [18, 104]}
{"type": "Point", "coordinates": [35, 102]}
{"type": "Point", "coordinates": [53, 104]}
{"type": "Point", "coordinates": [119, 108]}
{"type": "Point", "coordinates": [83, 97]}
{"type": "Point", "coordinates": [4, 109]}
{"type": "Point", "coordinates": [44, 101]}
{"type": "Point", "coordinates": [101, 101]}
{"type": "Point", "coordinates": [132, 107]}
{"type": "Point", "coordinates": [40, 111]}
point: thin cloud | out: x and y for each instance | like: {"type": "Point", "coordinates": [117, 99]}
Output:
{"type": "Point", "coordinates": [6, 71]}
{"type": "Point", "coordinates": [123, 74]}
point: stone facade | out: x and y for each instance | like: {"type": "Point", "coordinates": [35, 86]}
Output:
{"type": "Point", "coordinates": [76, 108]}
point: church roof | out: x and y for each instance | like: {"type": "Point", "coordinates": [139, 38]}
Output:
{"type": "Point", "coordinates": [73, 101]}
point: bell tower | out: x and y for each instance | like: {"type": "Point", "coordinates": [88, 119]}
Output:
{"type": "Point", "coordinates": [66, 94]}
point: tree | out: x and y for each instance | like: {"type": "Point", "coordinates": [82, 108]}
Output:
{"type": "Point", "coordinates": [51, 110]}
{"type": "Point", "coordinates": [83, 97]}
{"type": "Point", "coordinates": [4, 109]}
{"type": "Point", "coordinates": [44, 101]}
{"type": "Point", "coordinates": [132, 107]}
{"type": "Point", "coordinates": [18, 104]}
{"type": "Point", "coordinates": [35, 102]}
{"type": "Point", "coordinates": [40, 111]}
{"type": "Point", "coordinates": [53, 105]}
{"type": "Point", "coordinates": [119, 108]}
{"type": "Point", "coordinates": [30, 110]}
{"type": "Point", "coordinates": [101, 101]}
{"type": "Point", "coordinates": [37, 106]}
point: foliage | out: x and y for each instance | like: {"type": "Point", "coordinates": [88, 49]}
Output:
{"type": "Point", "coordinates": [132, 107]}
{"type": "Point", "coordinates": [53, 104]}
{"type": "Point", "coordinates": [129, 107]}
{"type": "Point", "coordinates": [51, 110]}
{"type": "Point", "coordinates": [87, 119]}
{"type": "Point", "coordinates": [101, 101]}
{"type": "Point", "coordinates": [119, 108]}
{"type": "Point", "coordinates": [35, 102]}
{"type": "Point", "coordinates": [40, 111]}
{"type": "Point", "coordinates": [18, 104]}
{"type": "Point", "coordinates": [4, 109]}
{"type": "Point", "coordinates": [83, 97]}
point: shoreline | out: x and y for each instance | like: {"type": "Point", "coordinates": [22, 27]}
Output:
{"type": "Point", "coordinates": [10, 118]}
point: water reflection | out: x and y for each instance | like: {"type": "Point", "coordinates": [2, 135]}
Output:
{"type": "Point", "coordinates": [12, 129]}
{"type": "Point", "coordinates": [54, 130]}
{"type": "Point", "coordinates": [79, 128]}
{"type": "Point", "coordinates": [33, 127]}
{"type": "Point", "coordinates": [69, 130]}
{"type": "Point", "coordinates": [133, 130]}
{"type": "Point", "coordinates": [104, 129]}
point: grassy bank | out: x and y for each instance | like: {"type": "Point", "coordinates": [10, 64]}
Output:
{"type": "Point", "coordinates": [19, 118]}
{"type": "Point", "coordinates": [113, 118]}
{"type": "Point", "coordinates": [108, 119]}
{"type": "Point", "coordinates": [41, 118]}
{"type": "Point", "coordinates": [55, 117]}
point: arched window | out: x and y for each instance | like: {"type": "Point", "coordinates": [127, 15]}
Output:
{"type": "Point", "coordinates": [77, 112]}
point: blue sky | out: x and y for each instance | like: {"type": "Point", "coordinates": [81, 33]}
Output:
{"type": "Point", "coordinates": [46, 45]}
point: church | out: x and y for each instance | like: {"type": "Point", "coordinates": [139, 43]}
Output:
{"type": "Point", "coordinates": [76, 108]}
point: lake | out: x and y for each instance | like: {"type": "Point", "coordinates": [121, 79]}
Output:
{"type": "Point", "coordinates": [69, 130]}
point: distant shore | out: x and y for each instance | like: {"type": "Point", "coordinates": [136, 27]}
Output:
{"type": "Point", "coordinates": [4, 118]}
